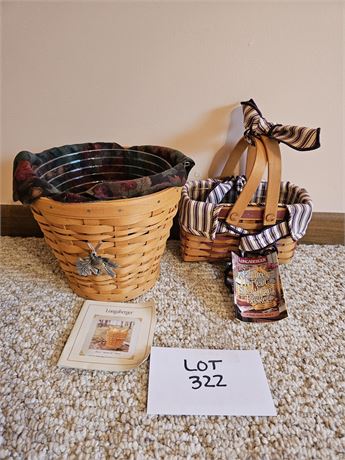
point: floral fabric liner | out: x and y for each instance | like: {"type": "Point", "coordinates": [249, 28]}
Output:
{"type": "Point", "coordinates": [97, 171]}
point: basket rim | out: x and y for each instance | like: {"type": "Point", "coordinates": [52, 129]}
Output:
{"type": "Point", "coordinates": [166, 197]}
{"type": "Point", "coordinates": [28, 186]}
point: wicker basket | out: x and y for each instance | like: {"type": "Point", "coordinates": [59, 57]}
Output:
{"type": "Point", "coordinates": [133, 233]}
{"type": "Point", "coordinates": [243, 213]}
{"type": "Point", "coordinates": [105, 210]}
{"type": "Point", "coordinates": [198, 248]}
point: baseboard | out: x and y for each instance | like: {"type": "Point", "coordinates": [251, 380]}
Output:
{"type": "Point", "coordinates": [17, 220]}
{"type": "Point", "coordinates": [324, 228]}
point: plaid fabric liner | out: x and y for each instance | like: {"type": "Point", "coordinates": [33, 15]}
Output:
{"type": "Point", "coordinates": [202, 201]}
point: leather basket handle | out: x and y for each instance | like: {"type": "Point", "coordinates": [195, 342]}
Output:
{"type": "Point", "coordinates": [250, 159]}
{"type": "Point", "coordinates": [252, 184]}
{"type": "Point", "coordinates": [273, 181]}
{"type": "Point", "coordinates": [266, 151]}
{"type": "Point", "coordinates": [234, 158]}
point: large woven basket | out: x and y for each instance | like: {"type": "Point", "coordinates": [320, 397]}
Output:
{"type": "Point", "coordinates": [133, 233]}
{"type": "Point", "coordinates": [105, 210]}
{"type": "Point", "coordinates": [243, 213]}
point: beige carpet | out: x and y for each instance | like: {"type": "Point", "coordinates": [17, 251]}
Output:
{"type": "Point", "coordinates": [49, 413]}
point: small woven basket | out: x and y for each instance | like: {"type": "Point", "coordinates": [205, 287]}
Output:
{"type": "Point", "coordinates": [133, 233]}
{"type": "Point", "coordinates": [243, 213]}
{"type": "Point", "coordinates": [198, 248]}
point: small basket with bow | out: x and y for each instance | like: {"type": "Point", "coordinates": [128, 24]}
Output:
{"type": "Point", "coordinates": [218, 216]}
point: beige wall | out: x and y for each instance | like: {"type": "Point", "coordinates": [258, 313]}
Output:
{"type": "Point", "coordinates": [170, 73]}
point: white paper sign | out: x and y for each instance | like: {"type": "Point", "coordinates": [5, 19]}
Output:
{"type": "Point", "coordinates": [186, 381]}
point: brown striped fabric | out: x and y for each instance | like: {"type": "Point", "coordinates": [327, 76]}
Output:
{"type": "Point", "coordinates": [202, 201]}
{"type": "Point", "coordinates": [299, 138]}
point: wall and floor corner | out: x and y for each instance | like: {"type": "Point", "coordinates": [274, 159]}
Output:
{"type": "Point", "coordinates": [172, 73]}
{"type": "Point", "coordinates": [324, 228]}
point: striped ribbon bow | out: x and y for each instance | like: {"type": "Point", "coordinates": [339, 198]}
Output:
{"type": "Point", "coordinates": [299, 138]}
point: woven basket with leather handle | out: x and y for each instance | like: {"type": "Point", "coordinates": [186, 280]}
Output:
{"type": "Point", "coordinates": [244, 213]}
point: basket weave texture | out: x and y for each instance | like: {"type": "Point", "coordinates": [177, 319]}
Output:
{"type": "Point", "coordinates": [196, 248]}
{"type": "Point", "coordinates": [259, 206]}
{"type": "Point", "coordinates": [249, 223]}
{"type": "Point", "coordinates": [133, 233]}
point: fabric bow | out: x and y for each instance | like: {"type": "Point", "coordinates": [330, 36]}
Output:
{"type": "Point", "coordinates": [299, 138]}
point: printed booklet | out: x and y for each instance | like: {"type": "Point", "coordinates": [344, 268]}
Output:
{"type": "Point", "coordinates": [110, 336]}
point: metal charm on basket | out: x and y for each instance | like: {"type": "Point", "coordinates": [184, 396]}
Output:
{"type": "Point", "coordinates": [93, 264]}
{"type": "Point", "coordinates": [105, 211]}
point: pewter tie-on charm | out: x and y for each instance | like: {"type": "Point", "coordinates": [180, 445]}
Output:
{"type": "Point", "coordinates": [93, 264]}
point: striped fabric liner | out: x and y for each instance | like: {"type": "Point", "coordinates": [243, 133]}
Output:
{"type": "Point", "coordinates": [200, 207]}
{"type": "Point", "coordinates": [227, 191]}
{"type": "Point", "coordinates": [299, 138]}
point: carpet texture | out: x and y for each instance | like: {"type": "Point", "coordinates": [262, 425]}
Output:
{"type": "Point", "coordinates": [53, 413]}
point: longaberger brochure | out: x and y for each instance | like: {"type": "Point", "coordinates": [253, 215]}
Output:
{"type": "Point", "coordinates": [110, 336]}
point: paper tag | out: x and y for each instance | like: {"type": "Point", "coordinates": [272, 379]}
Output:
{"type": "Point", "coordinates": [208, 382]}
{"type": "Point", "coordinates": [258, 291]}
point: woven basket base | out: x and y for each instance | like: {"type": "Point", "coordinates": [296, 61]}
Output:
{"type": "Point", "coordinates": [117, 296]}
{"type": "Point", "coordinates": [198, 248]}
